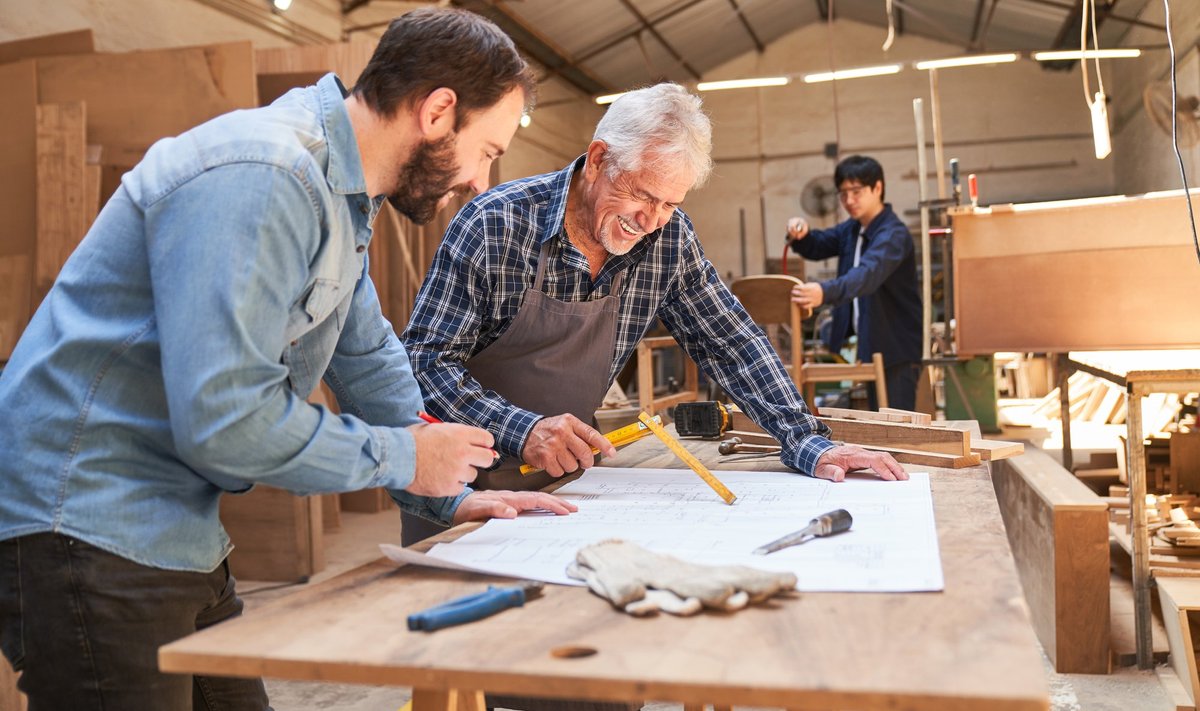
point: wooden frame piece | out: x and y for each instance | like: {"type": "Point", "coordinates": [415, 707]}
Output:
{"type": "Point", "coordinates": [1058, 531]}
{"type": "Point", "coordinates": [645, 377]}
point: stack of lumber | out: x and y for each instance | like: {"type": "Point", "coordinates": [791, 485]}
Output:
{"type": "Point", "coordinates": [910, 437]}
{"type": "Point", "coordinates": [1097, 400]}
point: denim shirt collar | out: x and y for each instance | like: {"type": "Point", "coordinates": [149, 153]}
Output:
{"type": "Point", "coordinates": [345, 171]}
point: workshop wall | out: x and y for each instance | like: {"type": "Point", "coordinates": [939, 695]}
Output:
{"type": "Point", "coordinates": [1144, 158]}
{"type": "Point", "coordinates": [1024, 130]}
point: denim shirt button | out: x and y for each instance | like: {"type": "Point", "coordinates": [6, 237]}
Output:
{"type": "Point", "coordinates": [363, 208]}
{"type": "Point", "coordinates": [360, 248]}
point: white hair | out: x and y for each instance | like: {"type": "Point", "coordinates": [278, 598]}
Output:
{"type": "Point", "coordinates": [660, 126]}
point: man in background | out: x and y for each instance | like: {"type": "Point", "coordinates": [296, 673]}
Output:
{"type": "Point", "coordinates": [875, 293]}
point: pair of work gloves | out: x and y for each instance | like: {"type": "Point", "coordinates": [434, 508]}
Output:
{"type": "Point", "coordinates": [642, 582]}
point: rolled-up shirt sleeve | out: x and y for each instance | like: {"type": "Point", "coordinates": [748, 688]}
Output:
{"type": "Point", "coordinates": [225, 280]}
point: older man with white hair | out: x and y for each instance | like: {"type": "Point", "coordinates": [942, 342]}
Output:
{"type": "Point", "coordinates": [542, 288]}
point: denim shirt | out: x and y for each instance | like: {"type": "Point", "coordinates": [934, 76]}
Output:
{"type": "Point", "coordinates": [170, 362]}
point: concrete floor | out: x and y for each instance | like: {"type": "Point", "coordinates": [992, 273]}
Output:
{"type": "Point", "coordinates": [1127, 689]}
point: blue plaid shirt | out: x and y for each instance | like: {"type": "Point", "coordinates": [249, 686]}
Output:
{"type": "Point", "coordinates": [488, 258]}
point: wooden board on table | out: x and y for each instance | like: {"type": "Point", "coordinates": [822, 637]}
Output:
{"type": "Point", "coordinates": [993, 449]}
{"type": "Point", "coordinates": [885, 414]}
{"type": "Point", "coordinates": [136, 98]}
{"type": "Point", "coordinates": [929, 459]}
{"type": "Point", "coordinates": [74, 42]}
{"type": "Point", "coordinates": [62, 203]}
{"type": "Point", "coordinates": [892, 434]}
{"type": "Point", "coordinates": [1058, 531]}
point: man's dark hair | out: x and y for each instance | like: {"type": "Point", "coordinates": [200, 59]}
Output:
{"type": "Point", "coordinates": [431, 48]}
{"type": "Point", "coordinates": [861, 169]}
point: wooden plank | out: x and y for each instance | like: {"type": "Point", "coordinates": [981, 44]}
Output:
{"type": "Point", "coordinates": [1185, 460]}
{"type": "Point", "coordinates": [891, 434]}
{"type": "Point", "coordinates": [916, 418]}
{"type": "Point", "coordinates": [10, 698]}
{"type": "Point", "coordinates": [276, 535]}
{"type": "Point", "coordinates": [62, 209]}
{"type": "Point", "coordinates": [75, 42]}
{"type": "Point", "coordinates": [1124, 635]}
{"type": "Point", "coordinates": [346, 59]}
{"type": "Point", "coordinates": [929, 459]}
{"type": "Point", "coordinates": [1180, 610]}
{"type": "Point", "coordinates": [16, 283]}
{"type": "Point", "coordinates": [880, 416]}
{"type": "Point", "coordinates": [1058, 531]}
{"type": "Point", "coordinates": [18, 199]}
{"type": "Point", "coordinates": [136, 98]}
{"type": "Point", "coordinates": [1177, 695]}
{"type": "Point", "coordinates": [992, 449]}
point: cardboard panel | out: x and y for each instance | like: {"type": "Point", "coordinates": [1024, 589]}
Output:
{"type": "Point", "coordinates": [136, 98]}
{"type": "Point", "coordinates": [76, 42]}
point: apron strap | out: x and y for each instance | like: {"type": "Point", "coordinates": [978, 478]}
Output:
{"type": "Point", "coordinates": [543, 257]}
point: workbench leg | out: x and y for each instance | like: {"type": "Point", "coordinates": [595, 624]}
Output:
{"type": "Point", "coordinates": [471, 701]}
{"type": "Point", "coordinates": [1064, 398]}
{"type": "Point", "coordinates": [693, 707]}
{"type": "Point", "coordinates": [433, 700]}
{"type": "Point", "coordinates": [722, 708]}
{"type": "Point", "coordinates": [1136, 461]}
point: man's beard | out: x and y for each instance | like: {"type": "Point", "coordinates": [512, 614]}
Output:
{"type": "Point", "coordinates": [425, 179]}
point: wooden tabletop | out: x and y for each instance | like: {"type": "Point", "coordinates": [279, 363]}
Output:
{"type": "Point", "coordinates": [1143, 365]}
{"type": "Point", "coordinates": [970, 646]}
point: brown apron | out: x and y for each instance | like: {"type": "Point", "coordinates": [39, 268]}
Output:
{"type": "Point", "coordinates": [554, 358]}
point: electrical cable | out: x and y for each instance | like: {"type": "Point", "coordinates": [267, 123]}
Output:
{"type": "Point", "coordinates": [1187, 193]}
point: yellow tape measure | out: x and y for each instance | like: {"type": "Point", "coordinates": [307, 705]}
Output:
{"type": "Point", "coordinates": [674, 445]}
{"type": "Point", "coordinates": [619, 438]}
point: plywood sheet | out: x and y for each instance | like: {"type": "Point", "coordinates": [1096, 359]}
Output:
{"type": "Point", "coordinates": [75, 42]}
{"type": "Point", "coordinates": [62, 203]}
{"type": "Point", "coordinates": [1115, 299]}
{"type": "Point", "coordinates": [346, 59]}
{"type": "Point", "coordinates": [136, 98]}
{"type": "Point", "coordinates": [1111, 276]}
{"type": "Point", "coordinates": [18, 158]}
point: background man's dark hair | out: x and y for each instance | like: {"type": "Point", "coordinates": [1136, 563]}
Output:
{"type": "Point", "coordinates": [866, 171]}
{"type": "Point", "coordinates": [430, 48]}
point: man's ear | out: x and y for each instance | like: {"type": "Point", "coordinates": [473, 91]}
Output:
{"type": "Point", "coordinates": [597, 153]}
{"type": "Point", "coordinates": [877, 187]}
{"type": "Point", "coordinates": [437, 113]}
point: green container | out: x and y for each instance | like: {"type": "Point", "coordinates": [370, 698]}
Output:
{"type": "Point", "coordinates": [977, 399]}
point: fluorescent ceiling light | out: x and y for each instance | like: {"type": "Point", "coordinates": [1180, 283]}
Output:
{"type": "Point", "coordinates": [742, 83]}
{"type": "Point", "coordinates": [1089, 54]}
{"type": "Point", "coordinates": [967, 61]}
{"type": "Point", "coordinates": [526, 119]}
{"type": "Point", "coordinates": [609, 98]}
{"type": "Point", "coordinates": [282, 5]}
{"type": "Point", "coordinates": [852, 73]}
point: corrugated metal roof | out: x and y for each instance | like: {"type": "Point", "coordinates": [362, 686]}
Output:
{"type": "Point", "coordinates": [619, 44]}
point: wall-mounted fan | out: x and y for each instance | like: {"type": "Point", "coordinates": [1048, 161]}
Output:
{"type": "Point", "coordinates": [1157, 98]}
{"type": "Point", "coordinates": [819, 197]}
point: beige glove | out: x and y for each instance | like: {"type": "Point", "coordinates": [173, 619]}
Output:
{"type": "Point", "coordinates": [641, 582]}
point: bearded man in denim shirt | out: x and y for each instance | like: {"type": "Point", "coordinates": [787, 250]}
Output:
{"type": "Point", "coordinates": [170, 362]}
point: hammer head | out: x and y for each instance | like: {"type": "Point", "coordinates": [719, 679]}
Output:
{"type": "Point", "coordinates": [730, 446]}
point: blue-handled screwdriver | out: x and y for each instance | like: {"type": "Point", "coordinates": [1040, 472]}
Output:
{"type": "Point", "coordinates": [475, 607]}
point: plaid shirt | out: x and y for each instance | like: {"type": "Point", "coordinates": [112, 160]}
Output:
{"type": "Point", "coordinates": [488, 258]}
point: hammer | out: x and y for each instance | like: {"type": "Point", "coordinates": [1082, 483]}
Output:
{"type": "Point", "coordinates": [735, 445]}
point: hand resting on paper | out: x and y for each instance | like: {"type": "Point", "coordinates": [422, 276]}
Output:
{"type": "Point", "coordinates": [483, 505]}
{"type": "Point", "coordinates": [834, 463]}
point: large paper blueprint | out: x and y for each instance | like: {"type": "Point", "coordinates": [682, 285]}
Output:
{"type": "Point", "coordinates": [892, 546]}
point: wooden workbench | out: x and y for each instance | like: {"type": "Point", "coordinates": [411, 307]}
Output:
{"type": "Point", "coordinates": [970, 646]}
{"type": "Point", "coordinates": [1140, 373]}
